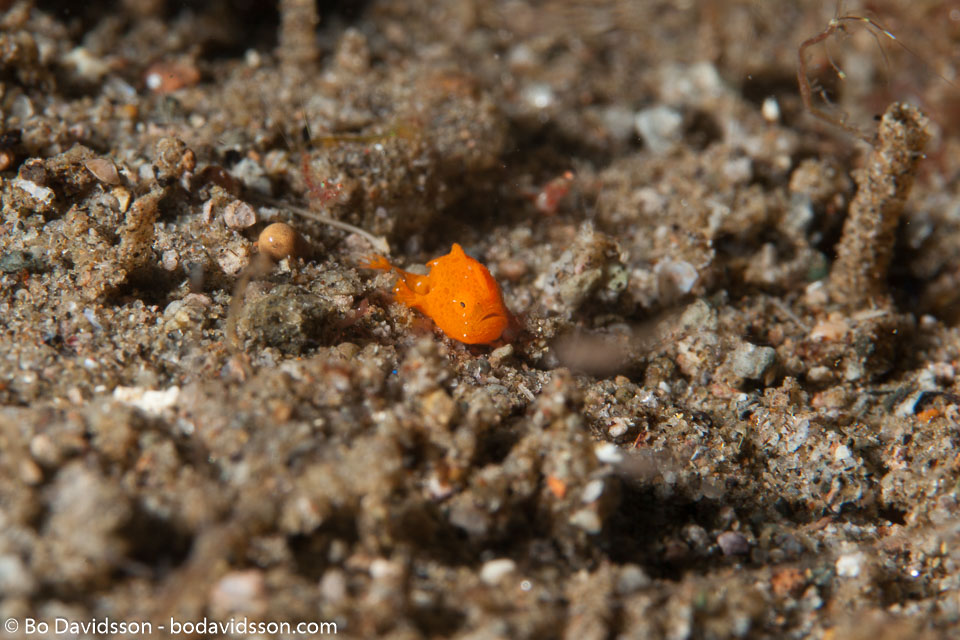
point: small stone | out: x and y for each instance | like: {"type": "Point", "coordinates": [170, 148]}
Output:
{"type": "Point", "coordinates": [513, 269]}
{"type": "Point", "coordinates": [382, 569]}
{"type": "Point", "coordinates": [618, 121]}
{"type": "Point", "coordinates": [288, 318]}
{"type": "Point", "coordinates": [123, 196]}
{"type": "Point", "coordinates": [593, 491]}
{"type": "Point", "coordinates": [752, 362]}
{"type": "Point", "coordinates": [44, 450]}
{"type": "Point", "coordinates": [149, 401]}
{"type": "Point", "coordinates": [353, 52]}
{"type": "Point", "coordinates": [170, 260]}
{"type": "Point", "coordinates": [438, 409]}
{"type": "Point", "coordinates": [618, 427]}
{"type": "Point", "coordinates": [696, 536]}
{"type": "Point", "coordinates": [842, 454]}
{"type": "Point", "coordinates": [40, 194]}
{"type": "Point", "coordinates": [699, 315]}
{"type": "Point", "coordinates": [733, 543]}
{"type": "Point", "coordinates": [831, 329]}
{"type": "Point", "coordinates": [495, 570]}
{"type": "Point", "coordinates": [739, 169]}
{"type": "Point", "coordinates": [239, 592]}
{"type": "Point", "coordinates": [850, 565]}
{"type": "Point", "coordinates": [632, 578]}
{"type": "Point", "coordinates": [608, 453]}
{"type": "Point", "coordinates": [470, 518]}
{"type": "Point", "coordinates": [30, 474]}
{"type": "Point", "coordinates": [819, 374]}
{"type": "Point", "coordinates": [908, 406]}
{"type": "Point", "coordinates": [588, 520]}
{"type": "Point", "coordinates": [770, 109]}
{"type": "Point", "coordinates": [333, 586]}
{"type": "Point", "coordinates": [232, 261]}
{"type": "Point", "coordinates": [173, 158]}
{"type": "Point", "coordinates": [87, 66]}
{"type": "Point", "coordinates": [500, 354]}
{"type": "Point", "coordinates": [253, 176]}
{"type": "Point", "coordinates": [166, 77]}
{"type": "Point", "coordinates": [348, 350]}
{"type": "Point", "coordinates": [103, 170]}
{"type": "Point", "coordinates": [15, 579]}
{"type": "Point", "coordinates": [146, 173]}
{"type": "Point", "coordinates": [538, 95]}
{"type": "Point", "coordinates": [239, 215]}
{"type": "Point", "coordinates": [439, 487]}
{"type": "Point", "coordinates": [660, 127]}
{"type": "Point", "coordinates": [788, 582]}
{"type": "Point", "coordinates": [574, 289]}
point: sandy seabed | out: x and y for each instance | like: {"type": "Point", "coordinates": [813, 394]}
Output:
{"type": "Point", "coordinates": [703, 425]}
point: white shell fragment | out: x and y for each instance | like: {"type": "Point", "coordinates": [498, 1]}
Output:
{"type": "Point", "coordinates": [151, 402]}
{"type": "Point", "coordinates": [41, 194]}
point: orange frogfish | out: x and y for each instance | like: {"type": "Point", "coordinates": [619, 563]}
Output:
{"type": "Point", "coordinates": [458, 294]}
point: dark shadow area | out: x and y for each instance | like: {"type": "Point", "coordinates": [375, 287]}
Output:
{"type": "Point", "coordinates": [156, 543]}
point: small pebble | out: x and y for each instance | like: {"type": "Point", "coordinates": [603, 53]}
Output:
{"type": "Point", "coordinates": [512, 269]}
{"type": "Point", "coordinates": [239, 215]}
{"type": "Point", "coordinates": [123, 196]}
{"type": "Point", "coordinates": [539, 95]}
{"type": "Point", "coordinates": [30, 473]}
{"type": "Point", "coordinates": [45, 450]}
{"type": "Point", "coordinates": [787, 582]}
{"type": "Point", "coordinates": [500, 354]}
{"type": "Point", "coordinates": [850, 565]}
{"type": "Point", "coordinates": [41, 194]}
{"type": "Point", "coordinates": [819, 374]}
{"type": "Point", "coordinates": [165, 77]}
{"type": "Point", "coordinates": [660, 127]}
{"type": "Point", "coordinates": [383, 569]}
{"type": "Point", "coordinates": [752, 362]}
{"type": "Point", "coordinates": [15, 578]}
{"type": "Point", "coordinates": [675, 278]}
{"type": "Point", "coordinates": [770, 109]}
{"type": "Point", "coordinates": [495, 570]}
{"type": "Point", "coordinates": [170, 260]}
{"type": "Point", "coordinates": [438, 409]}
{"type": "Point", "coordinates": [618, 427]}
{"type": "Point", "coordinates": [696, 536]}
{"type": "Point", "coordinates": [631, 579]}
{"type": "Point", "coordinates": [908, 407]}
{"type": "Point", "coordinates": [87, 65]}
{"type": "Point", "coordinates": [103, 170]}
{"type": "Point", "coordinates": [253, 176]}
{"type": "Point", "coordinates": [240, 592]}
{"type": "Point", "coordinates": [608, 453]}
{"type": "Point", "coordinates": [588, 520]}
{"type": "Point", "coordinates": [333, 586]}
{"type": "Point", "coordinates": [593, 491]}
{"type": "Point", "coordinates": [149, 401]}
{"type": "Point", "coordinates": [733, 543]}
{"type": "Point", "coordinates": [833, 328]}
{"type": "Point", "coordinates": [232, 261]}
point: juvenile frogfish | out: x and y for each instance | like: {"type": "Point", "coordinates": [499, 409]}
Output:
{"type": "Point", "coordinates": [458, 294]}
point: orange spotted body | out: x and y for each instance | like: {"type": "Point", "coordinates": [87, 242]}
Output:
{"type": "Point", "coordinates": [458, 294]}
